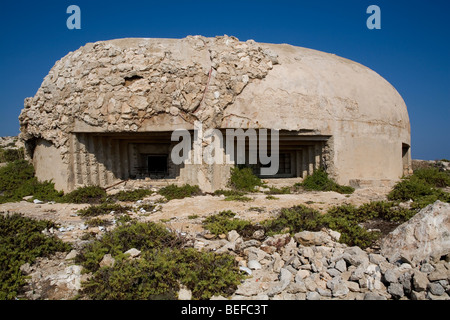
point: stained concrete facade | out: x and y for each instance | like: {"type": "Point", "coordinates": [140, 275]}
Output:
{"type": "Point", "coordinates": [105, 112]}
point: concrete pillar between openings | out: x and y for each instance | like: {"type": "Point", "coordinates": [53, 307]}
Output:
{"type": "Point", "coordinates": [304, 162]}
{"type": "Point", "coordinates": [77, 160]}
{"type": "Point", "coordinates": [317, 155]}
{"type": "Point", "coordinates": [109, 160]}
{"type": "Point", "coordinates": [93, 161]}
{"type": "Point", "coordinates": [117, 160]}
{"type": "Point", "coordinates": [101, 161]}
{"type": "Point", "coordinates": [71, 164]}
{"type": "Point", "coordinates": [124, 159]}
{"type": "Point", "coordinates": [85, 167]}
{"type": "Point", "coordinates": [311, 160]}
{"type": "Point", "coordinates": [298, 163]}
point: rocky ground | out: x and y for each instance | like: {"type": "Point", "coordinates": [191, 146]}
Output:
{"type": "Point", "coordinates": [307, 266]}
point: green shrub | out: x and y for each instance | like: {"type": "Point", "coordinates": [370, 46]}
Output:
{"type": "Point", "coordinates": [122, 219]}
{"type": "Point", "coordinates": [422, 187]}
{"type": "Point", "coordinates": [433, 177]}
{"type": "Point", "coordinates": [133, 195]}
{"type": "Point", "coordinates": [228, 193]}
{"type": "Point", "coordinates": [14, 174]}
{"type": "Point", "coordinates": [22, 241]}
{"type": "Point", "coordinates": [90, 194]}
{"type": "Point", "coordinates": [224, 222]}
{"type": "Point", "coordinates": [295, 219]}
{"type": "Point", "coordinates": [45, 191]}
{"type": "Point", "coordinates": [243, 179]}
{"type": "Point", "coordinates": [147, 278]}
{"type": "Point", "coordinates": [174, 192]}
{"type": "Point", "coordinates": [102, 209]}
{"type": "Point", "coordinates": [320, 181]}
{"type": "Point", "coordinates": [275, 190]}
{"type": "Point", "coordinates": [142, 236]}
{"type": "Point", "coordinates": [10, 155]}
{"type": "Point", "coordinates": [158, 273]}
{"type": "Point", "coordinates": [422, 202]}
{"type": "Point", "coordinates": [147, 207]}
{"type": "Point", "coordinates": [238, 198]}
{"type": "Point", "coordinates": [17, 180]}
{"type": "Point", "coordinates": [411, 188]}
{"type": "Point", "coordinates": [96, 222]}
{"type": "Point", "coordinates": [351, 233]}
{"type": "Point", "coordinates": [344, 219]}
{"type": "Point", "coordinates": [164, 265]}
{"type": "Point", "coordinates": [383, 210]}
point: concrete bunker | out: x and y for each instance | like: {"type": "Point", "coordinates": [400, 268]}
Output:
{"type": "Point", "coordinates": [105, 112]}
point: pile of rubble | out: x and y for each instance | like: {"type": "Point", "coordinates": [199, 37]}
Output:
{"type": "Point", "coordinates": [314, 265]}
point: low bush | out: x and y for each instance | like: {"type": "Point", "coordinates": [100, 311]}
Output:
{"type": "Point", "coordinates": [147, 207]}
{"type": "Point", "coordinates": [351, 232]}
{"type": "Point", "coordinates": [228, 193]}
{"type": "Point", "coordinates": [433, 176]}
{"type": "Point", "coordinates": [174, 192]}
{"type": "Point", "coordinates": [10, 155]}
{"type": "Point", "coordinates": [410, 188]}
{"type": "Point", "coordinates": [238, 198]}
{"type": "Point", "coordinates": [384, 210]}
{"type": "Point", "coordinates": [164, 265]}
{"type": "Point", "coordinates": [423, 187]}
{"type": "Point", "coordinates": [17, 180]}
{"type": "Point", "coordinates": [275, 190]}
{"type": "Point", "coordinates": [243, 179]}
{"type": "Point", "coordinates": [345, 219]}
{"type": "Point", "coordinates": [292, 220]}
{"type": "Point", "coordinates": [22, 241]}
{"type": "Point", "coordinates": [142, 236]}
{"type": "Point", "coordinates": [224, 222]}
{"type": "Point", "coordinates": [158, 273]}
{"type": "Point", "coordinates": [96, 222]}
{"type": "Point", "coordinates": [320, 181]}
{"type": "Point", "coordinates": [102, 209]}
{"type": "Point", "coordinates": [89, 194]}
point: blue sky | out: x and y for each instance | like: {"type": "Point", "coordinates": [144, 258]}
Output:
{"type": "Point", "coordinates": [411, 51]}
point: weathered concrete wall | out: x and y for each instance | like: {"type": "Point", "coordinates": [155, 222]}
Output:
{"type": "Point", "coordinates": [48, 164]}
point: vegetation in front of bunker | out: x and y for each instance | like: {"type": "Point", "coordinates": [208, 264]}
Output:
{"type": "Point", "coordinates": [173, 191]}
{"type": "Point", "coordinates": [423, 187]}
{"type": "Point", "coordinates": [319, 181]}
{"type": "Point", "coordinates": [22, 241]}
{"type": "Point", "coordinates": [17, 180]}
{"type": "Point", "coordinates": [164, 264]}
{"type": "Point", "coordinates": [242, 179]}
{"type": "Point", "coordinates": [345, 219]}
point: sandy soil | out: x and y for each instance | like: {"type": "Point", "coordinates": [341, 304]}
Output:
{"type": "Point", "coordinates": [186, 215]}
